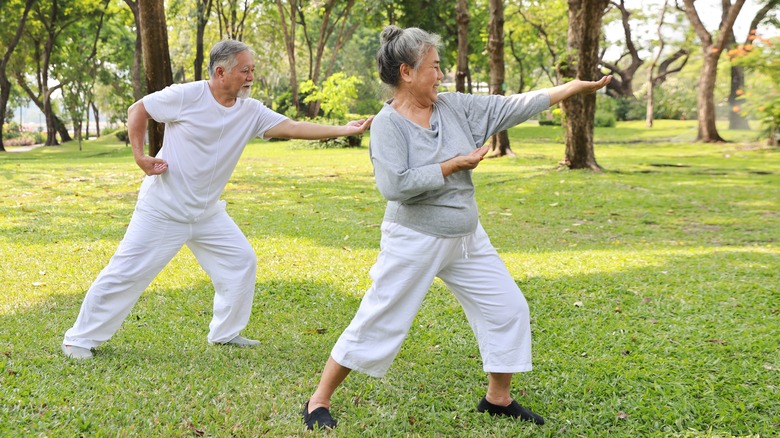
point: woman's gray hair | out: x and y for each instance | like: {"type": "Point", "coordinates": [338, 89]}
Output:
{"type": "Point", "coordinates": [402, 46]}
{"type": "Point", "coordinates": [224, 54]}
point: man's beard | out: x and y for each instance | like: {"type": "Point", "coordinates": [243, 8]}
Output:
{"type": "Point", "coordinates": [244, 92]}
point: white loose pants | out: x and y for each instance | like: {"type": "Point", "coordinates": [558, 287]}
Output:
{"type": "Point", "coordinates": [407, 264]}
{"type": "Point", "coordinates": [150, 242]}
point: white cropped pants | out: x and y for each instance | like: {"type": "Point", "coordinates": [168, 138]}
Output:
{"type": "Point", "coordinates": [150, 242]}
{"type": "Point", "coordinates": [407, 264]}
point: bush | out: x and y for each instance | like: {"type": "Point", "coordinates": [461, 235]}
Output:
{"type": "Point", "coordinates": [604, 120]}
{"type": "Point", "coordinates": [11, 130]}
{"type": "Point", "coordinates": [551, 117]}
{"type": "Point", "coordinates": [122, 135]}
{"type": "Point", "coordinates": [25, 140]}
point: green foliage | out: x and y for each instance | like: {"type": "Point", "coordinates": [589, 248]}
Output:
{"type": "Point", "coordinates": [551, 117]}
{"type": "Point", "coordinates": [763, 56]}
{"type": "Point", "coordinates": [14, 136]}
{"type": "Point", "coordinates": [652, 290]}
{"type": "Point", "coordinates": [604, 119]}
{"type": "Point", "coordinates": [335, 94]}
{"type": "Point", "coordinates": [122, 135]}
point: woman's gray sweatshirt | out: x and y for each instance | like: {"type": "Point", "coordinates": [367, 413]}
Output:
{"type": "Point", "coordinates": [406, 157]}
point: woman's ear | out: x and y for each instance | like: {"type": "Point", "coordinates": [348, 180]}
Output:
{"type": "Point", "coordinates": [406, 72]}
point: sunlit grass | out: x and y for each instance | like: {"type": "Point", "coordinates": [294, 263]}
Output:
{"type": "Point", "coordinates": [653, 290]}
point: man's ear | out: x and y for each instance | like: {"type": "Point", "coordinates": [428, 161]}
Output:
{"type": "Point", "coordinates": [219, 71]}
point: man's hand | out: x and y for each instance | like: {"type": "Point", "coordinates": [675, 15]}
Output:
{"type": "Point", "coordinates": [464, 162]}
{"type": "Point", "coordinates": [359, 126]}
{"type": "Point", "coordinates": [151, 165]}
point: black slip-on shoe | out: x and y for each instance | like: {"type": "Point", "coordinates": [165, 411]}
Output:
{"type": "Point", "coordinates": [513, 410]}
{"type": "Point", "coordinates": [318, 419]}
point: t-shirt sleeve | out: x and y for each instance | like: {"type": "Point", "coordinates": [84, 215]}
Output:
{"type": "Point", "coordinates": [491, 114]}
{"type": "Point", "coordinates": [395, 180]}
{"type": "Point", "coordinates": [164, 106]}
{"type": "Point", "coordinates": [265, 119]}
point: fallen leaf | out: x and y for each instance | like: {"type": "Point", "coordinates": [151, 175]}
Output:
{"type": "Point", "coordinates": [38, 284]}
{"type": "Point", "coordinates": [578, 304]}
{"type": "Point", "coordinates": [621, 415]}
{"type": "Point", "coordinates": [717, 341]}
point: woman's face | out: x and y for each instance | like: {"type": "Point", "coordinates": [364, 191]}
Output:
{"type": "Point", "coordinates": [427, 78]}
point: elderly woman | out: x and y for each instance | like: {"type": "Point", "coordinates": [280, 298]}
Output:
{"type": "Point", "coordinates": [424, 146]}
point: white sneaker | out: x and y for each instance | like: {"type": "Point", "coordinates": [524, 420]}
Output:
{"type": "Point", "coordinates": [240, 341]}
{"type": "Point", "coordinates": [75, 352]}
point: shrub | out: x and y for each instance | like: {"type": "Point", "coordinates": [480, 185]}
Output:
{"type": "Point", "coordinates": [24, 140]}
{"type": "Point", "coordinates": [551, 117]}
{"type": "Point", "coordinates": [604, 120]}
{"type": "Point", "coordinates": [335, 94]}
{"type": "Point", "coordinates": [122, 135]}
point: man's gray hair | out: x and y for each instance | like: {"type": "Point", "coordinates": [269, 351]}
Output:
{"type": "Point", "coordinates": [224, 54]}
{"type": "Point", "coordinates": [402, 46]}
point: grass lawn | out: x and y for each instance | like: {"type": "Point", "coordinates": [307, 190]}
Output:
{"type": "Point", "coordinates": [654, 293]}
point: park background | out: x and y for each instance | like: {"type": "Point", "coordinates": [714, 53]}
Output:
{"type": "Point", "coordinates": [652, 277]}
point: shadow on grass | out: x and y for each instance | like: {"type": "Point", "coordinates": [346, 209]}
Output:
{"type": "Point", "coordinates": [689, 344]}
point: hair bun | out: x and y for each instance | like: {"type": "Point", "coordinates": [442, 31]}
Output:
{"type": "Point", "coordinates": [390, 33]}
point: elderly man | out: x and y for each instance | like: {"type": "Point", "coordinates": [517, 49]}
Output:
{"type": "Point", "coordinates": [207, 126]}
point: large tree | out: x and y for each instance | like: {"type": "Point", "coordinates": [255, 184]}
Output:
{"type": "Point", "coordinates": [203, 13]}
{"type": "Point", "coordinates": [622, 84]}
{"type": "Point", "coordinates": [499, 143]}
{"type": "Point", "coordinates": [138, 84]}
{"type": "Point", "coordinates": [157, 60]}
{"type": "Point", "coordinates": [736, 99]}
{"type": "Point", "coordinates": [582, 63]}
{"type": "Point", "coordinates": [537, 41]}
{"type": "Point", "coordinates": [287, 18]}
{"type": "Point", "coordinates": [50, 20]}
{"type": "Point", "coordinates": [711, 50]}
{"type": "Point", "coordinates": [5, 84]}
{"type": "Point", "coordinates": [650, 87]}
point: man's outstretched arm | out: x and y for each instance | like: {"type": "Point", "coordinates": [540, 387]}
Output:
{"type": "Point", "coordinates": [315, 131]}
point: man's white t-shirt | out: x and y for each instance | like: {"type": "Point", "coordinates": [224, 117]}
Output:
{"type": "Point", "coordinates": [202, 145]}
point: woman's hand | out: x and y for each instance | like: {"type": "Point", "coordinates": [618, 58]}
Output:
{"type": "Point", "coordinates": [576, 86]}
{"type": "Point", "coordinates": [464, 162]}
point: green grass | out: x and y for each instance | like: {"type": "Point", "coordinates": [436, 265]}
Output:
{"type": "Point", "coordinates": [653, 290]}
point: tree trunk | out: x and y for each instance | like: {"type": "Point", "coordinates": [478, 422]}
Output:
{"type": "Point", "coordinates": [157, 60]}
{"type": "Point", "coordinates": [650, 85]}
{"type": "Point", "coordinates": [705, 96]}
{"type": "Point", "coordinates": [97, 118]}
{"type": "Point", "coordinates": [463, 76]}
{"type": "Point", "coordinates": [5, 83]}
{"type": "Point", "coordinates": [736, 102]}
{"type": "Point", "coordinates": [583, 59]}
{"type": "Point", "coordinates": [624, 87]}
{"type": "Point", "coordinates": [204, 11]}
{"type": "Point", "coordinates": [138, 86]}
{"type": "Point", "coordinates": [499, 143]}
{"type": "Point", "coordinates": [289, 42]}
{"type": "Point", "coordinates": [711, 50]}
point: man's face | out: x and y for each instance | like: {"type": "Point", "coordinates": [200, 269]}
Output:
{"type": "Point", "coordinates": [241, 77]}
